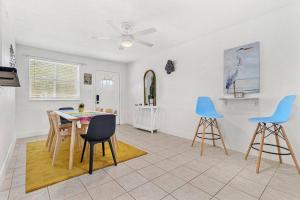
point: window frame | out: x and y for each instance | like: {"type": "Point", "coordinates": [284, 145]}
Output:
{"type": "Point", "coordinates": [31, 98]}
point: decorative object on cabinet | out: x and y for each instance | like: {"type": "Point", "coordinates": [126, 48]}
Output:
{"type": "Point", "coordinates": [170, 67]}
{"type": "Point", "coordinates": [150, 88]}
{"type": "Point", "coordinates": [146, 118]}
{"type": "Point", "coordinates": [242, 69]}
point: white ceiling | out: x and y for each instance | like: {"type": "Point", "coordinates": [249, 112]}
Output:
{"type": "Point", "coordinates": [67, 25]}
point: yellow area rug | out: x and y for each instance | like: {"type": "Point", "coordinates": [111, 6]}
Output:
{"type": "Point", "coordinates": [40, 172]}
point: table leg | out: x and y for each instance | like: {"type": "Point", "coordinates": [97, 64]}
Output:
{"type": "Point", "coordinates": [72, 144]}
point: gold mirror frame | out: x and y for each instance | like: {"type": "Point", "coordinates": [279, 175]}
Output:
{"type": "Point", "coordinates": [154, 88]}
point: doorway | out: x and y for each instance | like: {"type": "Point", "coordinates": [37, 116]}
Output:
{"type": "Point", "coordinates": [108, 91]}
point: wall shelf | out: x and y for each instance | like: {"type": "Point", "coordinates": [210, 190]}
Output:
{"type": "Point", "coordinates": [229, 99]}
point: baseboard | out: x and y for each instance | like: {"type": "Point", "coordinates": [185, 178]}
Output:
{"type": "Point", "coordinates": [33, 133]}
{"type": "Point", "coordinates": [6, 160]}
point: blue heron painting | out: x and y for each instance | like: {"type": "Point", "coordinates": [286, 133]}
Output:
{"type": "Point", "coordinates": [241, 69]}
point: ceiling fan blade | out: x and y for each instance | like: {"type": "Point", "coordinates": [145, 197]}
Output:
{"type": "Point", "coordinates": [144, 32]}
{"type": "Point", "coordinates": [102, 38]}
{"type": "Point", "coordinates": [110, 22]}
{"type": "Point", "coordinates": [143, 43]}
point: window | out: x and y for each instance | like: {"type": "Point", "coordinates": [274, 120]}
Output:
{"type": "Point", "coordinates": [51, 80]}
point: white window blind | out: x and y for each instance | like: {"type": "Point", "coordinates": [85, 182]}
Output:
{"type": "Point", "coordinates": [50, 80]}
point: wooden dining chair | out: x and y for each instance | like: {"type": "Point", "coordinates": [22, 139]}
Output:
{"type": "Point", "coordinates": [109, 110]}
{"type": "Point", "coordinates": [59, 135]}
{"type": "Point", "coordinates": [100, 109]}
{"type": "Point", "coordinates": [51, 134]}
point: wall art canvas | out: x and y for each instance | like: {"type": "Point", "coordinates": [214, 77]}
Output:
{"type": "Point", "coordinates": [242, 69]}
{"type": "Point", "coordinates": [87, 79]}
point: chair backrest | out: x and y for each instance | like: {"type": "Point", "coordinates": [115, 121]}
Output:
{"type": "Point", "coordinates": [284, 108]}
{"type": "Point", "coordinates": [101, 127]}
{"type": "Point", "coordinates": [109, 110]}
{"type": "Point", "coordinates": [205, 106]}
{"type": "Point", "coordinates": [99, 109]}
{"type": "Point", "coordinates": [49, 118]}
{"type": "Point", "coordinates": [63, 120]}
{"type": "Point", "coordinates": [54, 122]}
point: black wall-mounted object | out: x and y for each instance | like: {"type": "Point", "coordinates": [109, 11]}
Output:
{"type": "Point", "coordinates": [9, 77]}
{"type": "Point", "coordinates": [170, 67]}
{"type": "Point", "coordinates": [97, 99]}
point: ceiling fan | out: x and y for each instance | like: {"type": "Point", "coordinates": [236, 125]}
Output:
{"type": "Point", "coordinates": [127, 38]}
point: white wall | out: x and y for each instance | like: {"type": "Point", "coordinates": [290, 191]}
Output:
{"type": "Point", "coordinates": [7, 94]}
{"type": "Point", "coordinates": [31, 118]}
{"type": "Point", "coordinates": [199, 71]}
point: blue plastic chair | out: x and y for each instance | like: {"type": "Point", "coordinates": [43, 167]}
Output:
{"type": "Point", "coordinates": [281, 114]}
{"type": "Point", "coordinates": [273, 125]}
{"type": "Point", "coordinates": [208, 118]}
{"type": "Point", "coordinates": [206, 108]}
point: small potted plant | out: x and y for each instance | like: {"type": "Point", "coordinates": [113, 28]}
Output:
{"type": "Point", "coordinates": [81, 107]}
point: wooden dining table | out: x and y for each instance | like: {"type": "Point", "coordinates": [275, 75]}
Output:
{"type": "Point", "coordinates": [74, 117]}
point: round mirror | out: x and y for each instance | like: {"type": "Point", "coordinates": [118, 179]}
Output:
{"type": "Point", "coordinates": [150, 88]}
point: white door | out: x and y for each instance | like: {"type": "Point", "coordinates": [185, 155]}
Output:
{"type": "Point", "coordinates": [108, 91]}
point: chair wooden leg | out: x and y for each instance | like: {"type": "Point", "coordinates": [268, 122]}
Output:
{"type": "Point", "coordinates": [252, 140]}
{"type": "Point", "coordinates": [290, 148]}
{"type": "Point", "coordinates": [221, 136]}
{"type": "Point", "coordinates": [196, 132]}
{"type": "Point", "coordinates": [56, 148]}
{"type": "Point", "coordinates": [91, 158]}
{"type": "Point", "coordinates": [112, 152]}
{"type": "Point", "coordinates": [83, 150]}
{"type": "Point", "coordinates": [277, 142]}
{"type": "Point", "coordinates": [212, 132]}
{"type": "Point", "coordinates": [51, 138]}
{"type": "Point", "coordinates": [203, 138]}
{"type": "Point", "coordinates": [52, 145]}
{"type": "Point", "coordinates": [261, 145]}
{"type": "Point", "coordinates": [48, 137]}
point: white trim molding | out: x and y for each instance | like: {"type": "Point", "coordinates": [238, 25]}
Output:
{"type": "Point", "coordinates": [6, 161]}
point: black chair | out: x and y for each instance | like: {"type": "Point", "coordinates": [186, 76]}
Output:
{"type": "Point", "coordinates": [100, 130]}
{"type": "Point", "coordinates": [63, 120]}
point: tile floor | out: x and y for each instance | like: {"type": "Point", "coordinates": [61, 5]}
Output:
{"type": "Point", "coordinates": [172, 170]}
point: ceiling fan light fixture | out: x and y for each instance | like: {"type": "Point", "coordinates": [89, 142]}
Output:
{"type": "Point", "coordinates": [126, 43]}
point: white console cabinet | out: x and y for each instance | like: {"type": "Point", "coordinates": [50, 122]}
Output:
{"type": "Point", "coordinates": [146, 118]}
